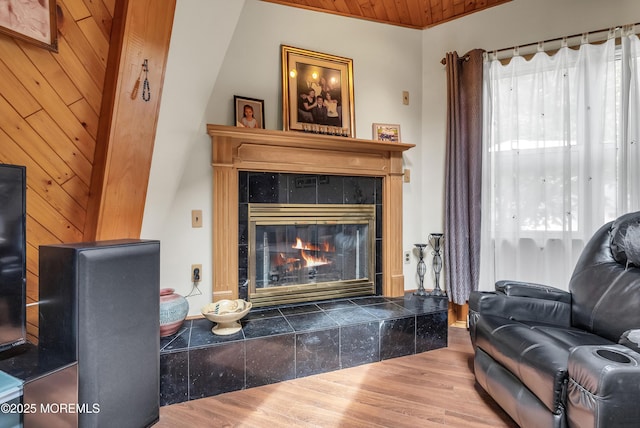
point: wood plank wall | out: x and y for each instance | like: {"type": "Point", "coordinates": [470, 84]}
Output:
{"type": "Point", "coordinates": [50, 110]}
{"type": "Point", "coordinates": [51, 113]}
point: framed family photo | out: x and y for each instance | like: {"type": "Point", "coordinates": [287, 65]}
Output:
{"type": "Point", "coordinates": [32, 21]}
{"type": "Point", "coordinates": [386, 132]}
{"type": "Point", "coordinates": [317, 90]}
{"type": "Point", "coordinates": [249, 112]}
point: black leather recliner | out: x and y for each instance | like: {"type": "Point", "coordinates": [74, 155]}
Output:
{"type": "Point", "coordinates": [552, 358]}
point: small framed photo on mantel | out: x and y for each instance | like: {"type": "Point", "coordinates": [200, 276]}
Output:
{"type": "Point", "coordinates": [386, 132]}
{"type": "Point", "coordinates": [249, 112]}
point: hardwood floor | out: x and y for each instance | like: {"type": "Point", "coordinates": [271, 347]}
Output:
{"type": "Point", "coordinates": [430, 389]}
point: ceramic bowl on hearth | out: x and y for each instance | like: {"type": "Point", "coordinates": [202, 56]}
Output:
{"type": "Point", "coordinates": [226, 314]}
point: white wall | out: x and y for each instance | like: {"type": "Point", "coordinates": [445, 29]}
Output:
{"type": "Point", "coordinates": [516, 23]}
{"type": "Point", "coordinates": [222, 48]}
{"type": "Point", "coordinates": [201, 33]}
{"type": "Point", "coordinates": [386, 61]}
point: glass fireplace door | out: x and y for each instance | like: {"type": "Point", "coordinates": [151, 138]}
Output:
{"type": "Point", "coordinates": [310, 252]}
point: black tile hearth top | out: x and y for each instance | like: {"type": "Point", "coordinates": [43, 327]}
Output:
{"type": "Point", "coordinates": [264, 327]}
{"type": "Point", "coordinates": [292, 341]}
{"type": "Point", "coordinates": [350, 316]}
{"type": "Point", "coordinates": [336, 304]}
{"type": "Point", "coordinates": [277, 320]}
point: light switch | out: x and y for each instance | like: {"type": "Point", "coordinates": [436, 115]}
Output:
{"type": "Point", "coordinates": [196, 218]}
{"type": "Point", "coordinates": [405, 98]}
{"type": "Point", "coordinates": [407, 176]}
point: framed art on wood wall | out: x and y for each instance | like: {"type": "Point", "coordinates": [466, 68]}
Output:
{"type": "Point", "coordinates": [386, 132]}
{"type": "Point", "coordinates": [249, 112]}
{"type": "Point", "coordinates": [317, 90]}
{"type": "Point", "coordinates": [33, 21]}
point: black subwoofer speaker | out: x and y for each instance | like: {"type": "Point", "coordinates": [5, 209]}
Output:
{"type": "Point", "coordinates": [99, 307]}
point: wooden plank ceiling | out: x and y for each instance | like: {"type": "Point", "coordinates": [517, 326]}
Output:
{"type": "Point", "coordinates": [418, 14]}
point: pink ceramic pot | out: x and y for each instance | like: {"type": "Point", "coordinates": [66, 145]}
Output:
{"type": "Point", "coordinates": [173, 311]}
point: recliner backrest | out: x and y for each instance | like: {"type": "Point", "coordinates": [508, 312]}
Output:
{"type": "Point", "coordinates": [605, 284]}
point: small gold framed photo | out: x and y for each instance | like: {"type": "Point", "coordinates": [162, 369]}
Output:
{"type": "Point", "coordinates": [386, 132]}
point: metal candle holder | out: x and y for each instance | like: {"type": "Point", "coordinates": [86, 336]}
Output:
{"type": "Point", "coordinates": [435, 239]}
{"type": "Point", "coordinates": [422, 269]}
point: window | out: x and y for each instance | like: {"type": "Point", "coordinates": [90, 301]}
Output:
{"type": "Point", "coordinates": [557, 155]}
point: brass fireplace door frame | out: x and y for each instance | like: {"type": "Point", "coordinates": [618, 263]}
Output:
{"type": "Point", "coordinates": [309, 214]}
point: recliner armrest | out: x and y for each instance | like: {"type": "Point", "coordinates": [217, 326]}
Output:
{"type": "Point", "coordinates": [529, 289]}
{"type": "Point", "coordinates": [521, 301]}
{"type": "Point", "coordinates": [603, 386]}
{"type": "Point", "coordinates": [521, 308]}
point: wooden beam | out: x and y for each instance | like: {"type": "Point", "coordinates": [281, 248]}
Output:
{"type": "Point", "coordinates": [141, 32]}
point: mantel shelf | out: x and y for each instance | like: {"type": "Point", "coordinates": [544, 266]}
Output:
{"type": "Point", "coordinates": [304, 139]}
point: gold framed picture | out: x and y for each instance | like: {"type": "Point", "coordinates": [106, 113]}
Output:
{"type": "Point", "coordinates": [317, 91]}
{"type": "Point", "coordinates": [32, 21]}
{"type": "Point", "coordinates": [386, 132]}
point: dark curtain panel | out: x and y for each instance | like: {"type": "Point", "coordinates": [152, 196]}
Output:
{"type": "Point", "coordinates": [463, 174]}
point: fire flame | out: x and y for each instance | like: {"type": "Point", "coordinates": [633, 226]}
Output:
{"type": "Point", "coordinates": [325, 246]}
{"type": "Point", "coordinates": [310, 260]}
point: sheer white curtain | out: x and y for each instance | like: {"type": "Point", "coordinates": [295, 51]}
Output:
{"type": "Point", "coordinates": [630, 123]}
{"type": "Point", "coordinates": [560, 156]}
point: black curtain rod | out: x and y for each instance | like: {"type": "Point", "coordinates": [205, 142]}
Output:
{"type": "Point", "coordinates": [557, 39]}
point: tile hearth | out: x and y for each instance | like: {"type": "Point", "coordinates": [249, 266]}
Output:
{"type": "Point", "coordinates": [285, 342]}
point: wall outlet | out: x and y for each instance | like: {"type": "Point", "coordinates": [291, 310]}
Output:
{"type": "Point", "coordinates": [196, 273]}
{"type": "Point", "coordinates": [407, 257]}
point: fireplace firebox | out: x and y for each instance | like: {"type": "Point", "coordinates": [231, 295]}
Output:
{"type": "Point", "coordinates": [302, 252]}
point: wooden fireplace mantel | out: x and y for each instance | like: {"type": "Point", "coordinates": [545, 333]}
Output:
{"type": "Point", "coordinates": [236, 149]}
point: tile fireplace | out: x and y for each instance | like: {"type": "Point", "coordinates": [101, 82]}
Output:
{"type": "Point", "coordinates": [356, 241]}
{"type": "Point", "coordinates": [301, 252]}
{"type": "Point", "coordinates": [285, 165]}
